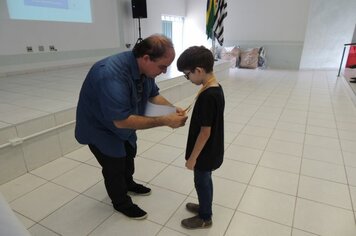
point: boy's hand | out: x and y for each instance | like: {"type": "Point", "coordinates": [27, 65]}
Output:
{"type": "Point", "coordinates": [190, 163]}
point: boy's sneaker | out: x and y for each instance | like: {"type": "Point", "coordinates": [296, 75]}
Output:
{"type": "Point", "coordinates": [196, 222]}
{"type": "Point", "coordinates": [134, 212]}
{"type": "Point", "coordinates": [192, 207]}
{"type": "Point", "coordinates": [139, 189]}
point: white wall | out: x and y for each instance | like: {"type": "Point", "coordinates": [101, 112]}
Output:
{"type": "Point", "coordinates": [278, 25]}
{"type": "Point", "coordinates": [272, 20]}
{"type": "Point", "coordinates": [309, 32]}
{"type": "Point", "coordinates": [112, 29]}
{"type": "Point", "coordinates": [331, 25]}
{"type": "Point", "coordinates": [15, 35]}
{"type": "Point", "coordinates": [282, 26]}
{"type": "Point", "coordinates": [155, 8]}
{"type": "Point", "coordinates": [194, 31]}
{"type": "Point", "coordinates": [252, 20]}
{"type": "Point", "coordinates": [150, 25]}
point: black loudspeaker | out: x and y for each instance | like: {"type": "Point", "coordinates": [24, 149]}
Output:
{"type": "Point", "coordinates": [139, 8]}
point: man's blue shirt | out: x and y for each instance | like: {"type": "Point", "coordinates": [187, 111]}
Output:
{"type": "Point", "coordinates": [110, 92]}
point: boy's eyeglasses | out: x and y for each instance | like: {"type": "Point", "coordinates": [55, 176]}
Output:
{"type": "Point", "coordinates": [187, 75]}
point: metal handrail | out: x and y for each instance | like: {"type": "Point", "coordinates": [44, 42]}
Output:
{"type": "Point", "coordinates": [343, 54]}
{"type": "Point", "coordinates": [17, 140]}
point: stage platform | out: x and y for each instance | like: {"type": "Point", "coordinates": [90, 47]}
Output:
{"type": "Point", "coordinates": [37, 112]}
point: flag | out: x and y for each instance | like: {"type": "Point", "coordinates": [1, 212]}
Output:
{"type": "Point", "coordinates": [215, 15]}
{"type": "Point", "coordinates": [210, 17]}
{"type": "Point", "coordinates": [218, 26]}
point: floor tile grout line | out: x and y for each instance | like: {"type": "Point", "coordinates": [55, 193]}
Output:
{"type": "Point", "coordinates": [177, 157]}
{"type": "Point", "coordinates": [248, 184]}
{"type": "Point", "coordinates": [301, 160]}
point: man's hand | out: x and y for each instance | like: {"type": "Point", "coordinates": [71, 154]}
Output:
{"type": "Point", "coordinates": [173, 120]}
{"type": "Point", "coordinates": [180, 111]}
{"type": "Point", "coordinates": [176, 120]}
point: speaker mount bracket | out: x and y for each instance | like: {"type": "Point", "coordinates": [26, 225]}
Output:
{"type": "Point", "coordinates": [139, 31]}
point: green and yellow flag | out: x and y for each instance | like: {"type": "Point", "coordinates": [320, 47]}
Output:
{"type": "Point", "coordinates": [210, 17]}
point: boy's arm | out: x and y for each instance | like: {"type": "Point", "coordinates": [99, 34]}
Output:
{"type": "Point", "coordinates": [198, 146]}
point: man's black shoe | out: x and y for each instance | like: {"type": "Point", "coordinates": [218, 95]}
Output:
{"type": "Point", "coordinates": [134, 212]}
{"type": "Point", "coordinates": [139, 189]}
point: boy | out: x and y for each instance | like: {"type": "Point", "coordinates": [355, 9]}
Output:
{"type": "Point", "coordinates": [205, 145]}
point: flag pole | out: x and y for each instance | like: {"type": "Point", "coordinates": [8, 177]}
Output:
{"type": "Point", "coordinates": [213, 47]}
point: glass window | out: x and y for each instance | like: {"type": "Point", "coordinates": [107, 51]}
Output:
{"type": "Point", "coordinates": [172, 27]}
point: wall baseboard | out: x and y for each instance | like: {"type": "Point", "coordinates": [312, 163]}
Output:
{"type": "Point", "coordinates": [37, 62]}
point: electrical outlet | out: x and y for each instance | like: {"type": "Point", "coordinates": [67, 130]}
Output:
{"type": "Point", "coordinates": [40, 48]}
{"type": "Point", "coordinates": [29, 49]}
{"type": "Point", "coordinates": [52, 48]}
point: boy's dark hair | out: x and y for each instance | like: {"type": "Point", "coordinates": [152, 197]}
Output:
{"type": "Point", "coordinates": [155, 46]}
{"type": "Point", "coordinates": [194, 57]}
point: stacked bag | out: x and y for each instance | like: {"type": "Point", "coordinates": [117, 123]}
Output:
{"type": "Point", "coordinates": [249, 58]}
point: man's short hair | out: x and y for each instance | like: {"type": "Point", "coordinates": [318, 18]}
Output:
{"type": "Point", "coordinates": [155, 46]}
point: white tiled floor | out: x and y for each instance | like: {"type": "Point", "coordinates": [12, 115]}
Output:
{"type": "Point", "coordinates": [289, 169]}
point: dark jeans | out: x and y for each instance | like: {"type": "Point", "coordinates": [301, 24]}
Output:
{"type": "Point", "coordinates": [204, 187]}
{"type": "Point", "coordinates": [117, 173]}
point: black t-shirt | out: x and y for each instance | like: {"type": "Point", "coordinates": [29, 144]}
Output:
{"type": "Point", "coordinates": [208, 111]}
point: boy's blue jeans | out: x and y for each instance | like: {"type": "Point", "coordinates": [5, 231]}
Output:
{"type": "Point", "coordinates": [204, 187]}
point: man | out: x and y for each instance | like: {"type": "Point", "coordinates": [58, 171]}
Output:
{"type": "Point", "coordinates": [111, 108]}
